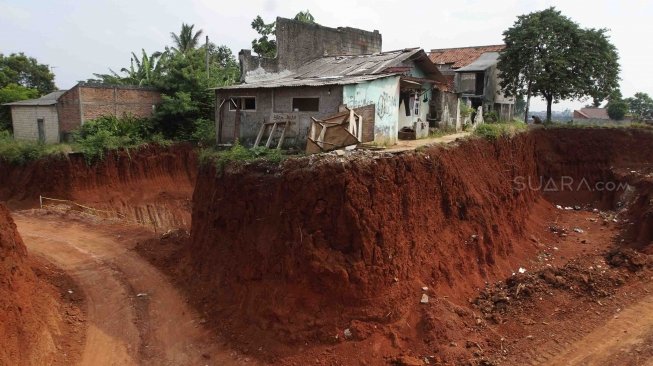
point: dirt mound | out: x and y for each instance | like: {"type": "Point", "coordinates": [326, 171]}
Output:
{"type": "Point", "coordinates": [152, 185]}
{"type": "Point", "coordinates": [39, 323]}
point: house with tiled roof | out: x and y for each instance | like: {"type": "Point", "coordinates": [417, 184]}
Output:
{"type": "Point", "coordinates": [590, 113]}
{"type": "Point", "coordinates": [472, 72]}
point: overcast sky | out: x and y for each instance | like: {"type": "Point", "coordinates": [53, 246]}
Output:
{"type": "Point", "coordinates": [79, 38]}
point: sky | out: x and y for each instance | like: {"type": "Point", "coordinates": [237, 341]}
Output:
{"type": "Point", "coordinates": [79, 38]}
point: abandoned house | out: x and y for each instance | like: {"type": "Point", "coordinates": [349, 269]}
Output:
{"type": "Point", "coordinates": [472, 72]}
{"type": "Point", "coordinates": [52, 117]}
{"type": "Point", "coordinates": [321, 71]}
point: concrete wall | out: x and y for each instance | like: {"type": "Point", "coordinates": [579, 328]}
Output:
{"type": "Point", "coordinates": [299, 42]}
{"type": "Point", "coordinates": [384, 94]}
{"type": "Point", "coordinates": [24, 119]}
{"type": "Point", "coordinates": [275, 105]}
{"type": "Point", "coordinates": [69, 112]}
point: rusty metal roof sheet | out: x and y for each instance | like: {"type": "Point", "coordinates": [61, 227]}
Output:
{"type": "Point", "coordinates": [342, 70]}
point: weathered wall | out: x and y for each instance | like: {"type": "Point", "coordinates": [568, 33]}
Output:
{"type": "Point", "coordinates": [68, 110]}
{"type": "Point", "coordinates": [24, 121]}
{"type": "Point", "coordinates": [299, 42]}
{"type": "Point", "coordinates": [86, 102]}
{"type": "Point", "coordinates": [250, 121]}
{"type": "Point", "coordinates": [384, 94]}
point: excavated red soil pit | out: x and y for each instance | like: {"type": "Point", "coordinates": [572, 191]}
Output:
{"type": "Point", "coordinates": [42, 317]}
{"type": "Point", "coordinates": [326, 250]}
{"type": "Point", "coordinates": [151, 185]}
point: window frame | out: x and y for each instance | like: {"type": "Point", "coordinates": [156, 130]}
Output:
{"type": "Point", "coordinates": [292, 104]}
{"type": "Point", "coordinates": [242, 103]}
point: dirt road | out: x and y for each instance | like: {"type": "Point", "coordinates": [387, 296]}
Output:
{"type": "Point", "coordinates": [135, 316]}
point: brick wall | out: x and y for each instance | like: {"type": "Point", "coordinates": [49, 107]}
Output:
{"type": "Point", "coordinates": [24, 120]}
{"type": "Point", "coordinates": [97, 101]}
{"type": "Point", "coordinates": [68, 110]}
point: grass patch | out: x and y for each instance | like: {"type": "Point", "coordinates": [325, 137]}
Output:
{"type": "Point", "coordinates": [441, 132]}
{"type": "Point", "coordinates": [22, 152]}
{"type": "Point", "coordinates": [493, 131]}
{"type": "Point", "coordinates": [238, 153]}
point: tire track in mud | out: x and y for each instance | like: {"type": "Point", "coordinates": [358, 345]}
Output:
{"type": "Point", "coordinates": [623, 340]}
{"type": "Point", "coordinates": [155, 328]}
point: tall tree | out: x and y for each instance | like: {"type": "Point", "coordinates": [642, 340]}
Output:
{"type": "Point", "coordinates": [17, 68]}
{"type": "Point", "coordinates": [549, 55]}
{"type": "Point", "coordinates": [640, 106]}
{"type": "Point", "coordinates": [142, 71]}
{"type": "Point", "coordinates": [186, 40]}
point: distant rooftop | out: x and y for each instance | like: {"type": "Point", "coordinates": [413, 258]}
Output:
{"type": "Point", "coordinates": [48, 99]}
{"type": "Point", "coordinates": [461, 56]}
{"type": "Point", "coordinates": [594, 113]}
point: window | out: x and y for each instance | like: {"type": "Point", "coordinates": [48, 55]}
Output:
{"type": "Point", "coordinates": [468, 83]}
{"type": "Point", "coordinates": [305, 104]}
{"type": "Point", "coordinates": [244, 103]}
{"type": "Point", "coordinates": [416, 104]}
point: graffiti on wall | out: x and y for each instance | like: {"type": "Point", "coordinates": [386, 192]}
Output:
{"type": "Point", "coordinates": [283, 117]}
{"type": "Point", "coordinates": [386, 105]}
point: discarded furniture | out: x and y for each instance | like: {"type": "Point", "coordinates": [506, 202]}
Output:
{"type": "Point", "coordinates": [273, 128]}
{"type": "Point", "coordinates": [339, 131]}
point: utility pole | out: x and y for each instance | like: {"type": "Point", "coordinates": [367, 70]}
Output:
{"type": "Point", "coordinates": [207, 59]}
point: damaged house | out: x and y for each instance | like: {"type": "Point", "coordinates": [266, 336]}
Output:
{"type": "Point", "coordinates": [473, 73]}
{"type": "Point", "coordinates": [320, 72]}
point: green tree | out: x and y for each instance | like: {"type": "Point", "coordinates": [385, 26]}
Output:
{"type": "Point", "coordinates": [186, 40]}
{"type": "Point", "coordinates": [549, 55]}
{"type": "Point", "coordinates": [19, 69]}
{"type": "Point", "coordinates": [142, 71]}
{"type": "Point", "coordinates": [11, 93]}
{"type": "Point", "coordinates": [641, 106]}
{"type": "Point", "coordinates": [266, 45]}
{"type": "Point", "coordinates": [617, 109]}
{"type": "Point", "coordinates": [305, 16]}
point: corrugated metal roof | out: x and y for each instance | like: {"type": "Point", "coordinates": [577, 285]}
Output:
{"type": "Point", "coordinates": [336, 70]}
{"type": "Point", "coordinates": [463, 56]}
{"type": "Point", "coordinates": [48, 99]}
{"type": "Point", "coordinates": [482, 63]}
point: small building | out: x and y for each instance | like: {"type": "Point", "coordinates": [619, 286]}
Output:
{"type": "Point", "coordinates": [318, 71]}
{"type": "Point", "coordinates": [591, 114]}
{"type": "Point", "coordinates": [52, 117]}
{"type": "Point", "coordinates": [472, 72]}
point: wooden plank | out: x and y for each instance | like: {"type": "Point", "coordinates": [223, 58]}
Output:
{"type": "Point", "coordinates": [261, 131]}
{"type": "Point", "coordinates": [283, 135]}
{"type": "Point", "coordinates": [272, 130]}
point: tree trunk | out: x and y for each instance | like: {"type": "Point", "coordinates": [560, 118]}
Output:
{"type": "Point", "coordinates": [549, 101]}
{"type": "Point", "coordinates": [528, 102]}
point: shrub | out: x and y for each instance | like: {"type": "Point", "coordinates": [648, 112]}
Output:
{"type": "Point", "coordinates": [97, 136]}
{"type": "Point", "coordinates": [239, 153]}
{"type": "Point", "coordinates": [22, 152]}
{"type": "Point", "coordinates": [495, 130]}
{"type": "Point", "coordinates": [491, 117]}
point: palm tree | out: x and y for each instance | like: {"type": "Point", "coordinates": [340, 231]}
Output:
{"type": "Point", "coordinates": [186, 40]}
{"type": "Point", "coordinates": [305, 16]}
{"type": "Point", "coordinates": [145, 68]}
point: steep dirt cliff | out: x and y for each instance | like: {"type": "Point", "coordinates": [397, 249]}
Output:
{"type": "Point", "coordinates": [297, 253]}
{"type": "Point", "coordinates": [36, 326]}
{"type": "Point", "coordinates": [301, 250]}
{"type": "Point", "coordinates": [151, 185]}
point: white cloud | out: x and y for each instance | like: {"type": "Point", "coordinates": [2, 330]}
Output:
{"type": "Point", "coordinates": [81, 38]}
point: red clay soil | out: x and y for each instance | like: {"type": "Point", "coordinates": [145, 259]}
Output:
{"type": "Point", "coordinates": [286, 261]}
{"type": "Point", "coordinates": [42, 317]}
{"type": "Point", "coordinates": [151, 185]}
